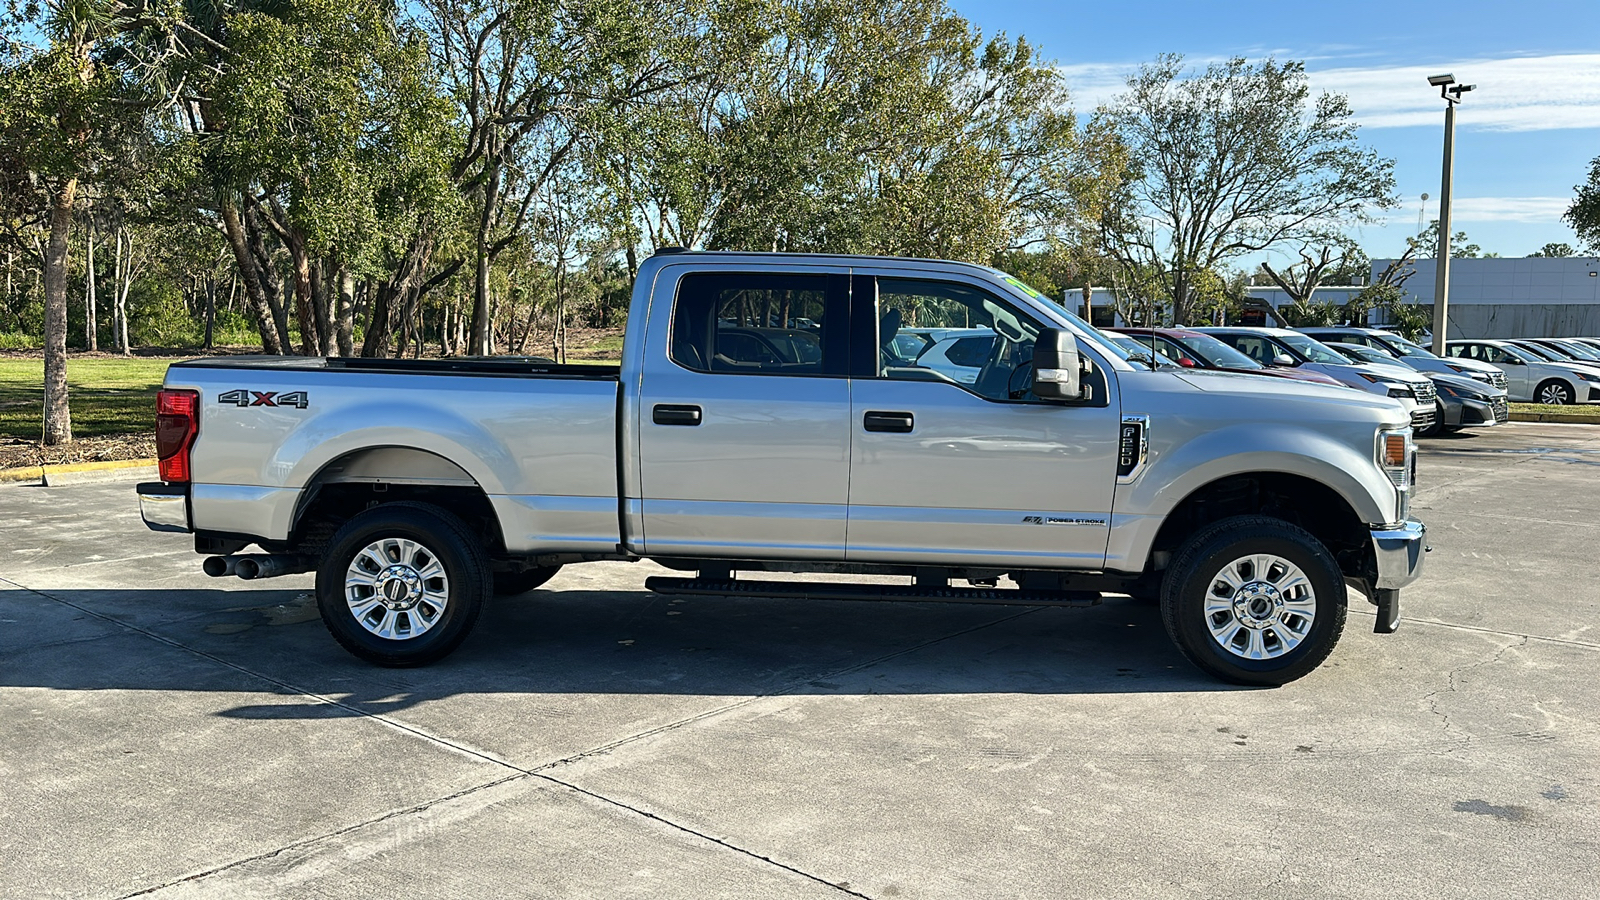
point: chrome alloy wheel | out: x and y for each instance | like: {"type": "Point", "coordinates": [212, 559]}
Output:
{"type": "Point", "coordinates": [396, 588]}
{"type": "Point", "coordinates": [1554, 394]}
{"type": "Point", "coordinates": [1260, 606]}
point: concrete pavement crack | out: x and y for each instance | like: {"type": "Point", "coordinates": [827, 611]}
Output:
{"type": "Point", "coordinates": [312, 841]}
{"type": "Point", "coordinates": [1432, 697]}
{"type": "Point", "coordinates": [1567, 642]}
{"type": "Point", "coordinates": [537, 772]}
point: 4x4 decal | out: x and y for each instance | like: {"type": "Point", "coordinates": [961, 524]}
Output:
{"type": "Point", "coordinates": [296, 399]}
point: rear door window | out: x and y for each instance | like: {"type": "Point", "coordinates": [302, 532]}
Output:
{"type": "Point", "coordinates": [757, 324]}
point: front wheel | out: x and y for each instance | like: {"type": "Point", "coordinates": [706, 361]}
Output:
{"type": "Point", "coordinates": [1254, 600]}
{"type": "Point", "coordinates": [402, 584]}
{"type": "Point", "coordinates": [1554, 393]}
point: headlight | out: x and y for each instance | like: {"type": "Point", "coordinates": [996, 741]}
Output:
{"type": "Point", "coordinates": [1396, 456]}
{"type": "Point", "coordinates": [1474, 374]}
{"type": "Point", "coordinates": [1586, 376]}
{"type": "Point", "coordinates": [1459, 394]}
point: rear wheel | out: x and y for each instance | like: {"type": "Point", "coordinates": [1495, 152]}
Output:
{"type": "Point", "coordinates": [1254, 600]}
{"type": "Point", "coordinates": [402, 584]}
{"type": "Point", "coordinates": [1554, 393]}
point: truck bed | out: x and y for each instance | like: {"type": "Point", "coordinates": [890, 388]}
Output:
{"type": "Point", "coordinates": [500, 366]}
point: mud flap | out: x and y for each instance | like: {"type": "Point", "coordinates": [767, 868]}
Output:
{"type": "Point", "coordinates": [1388, 603]}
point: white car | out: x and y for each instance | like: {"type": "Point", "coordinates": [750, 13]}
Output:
{"type": "Point", "coordinates": [1408, 353]}
{"type": "Point", "coordinates": [1529, 378]}
{"type": "Point", "coordinates": [1285, 347]}
{"type": "Point", "coordinates": [957, 353]}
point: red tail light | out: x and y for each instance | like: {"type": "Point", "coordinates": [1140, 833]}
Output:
{"type": "Point", "coordinates": [177, 423]}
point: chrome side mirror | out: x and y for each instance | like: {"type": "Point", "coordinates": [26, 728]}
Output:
{"type": "Point", "coordinates": [1057, 366]}
{"type": "Point", "coordinates": [1284, 360]}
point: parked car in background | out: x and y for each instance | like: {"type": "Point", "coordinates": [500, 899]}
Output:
{"type": "Point", "coordinates": [1139, 352]}
{"type": "Point", "coordinates": [1462, 402]}
{"type": "Point", "coordinates": [1407, 352]}
{"type": "Point", "coordinates": [1196, 350]}
{"type": "Point", "coordinates": [958, 354]}
{"type": "Point", "coordinates": [1555, 351]}
{"type": "Point", "coordinates": [1529, 377]}
{"type": "Point", "coordinates": [1285, 348]}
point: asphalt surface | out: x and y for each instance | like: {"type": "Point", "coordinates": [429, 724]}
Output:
{"type": "Point", "coordinates": [170, 735]}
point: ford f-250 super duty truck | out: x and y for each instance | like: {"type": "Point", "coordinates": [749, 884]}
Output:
{"type": "Point", "coordinates": [765, 419]}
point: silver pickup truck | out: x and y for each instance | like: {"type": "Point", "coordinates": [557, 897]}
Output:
{"type": "Point", "coordinates": [764, 419]}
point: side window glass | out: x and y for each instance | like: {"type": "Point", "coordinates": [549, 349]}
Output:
{"type": "Point", "coordinates": [752, 324]}
{"type": "Point", "coordinates": [969, 336]}
{"type": "Point", "coordinates": [1252, 346]}
{"type": "Point", "coordinates": [1174, 352]}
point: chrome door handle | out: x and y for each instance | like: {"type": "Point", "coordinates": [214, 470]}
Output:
{"type": "Point", "coordinates": [675, 414]}
{"type": "Point", "coordinates": [892, 422]}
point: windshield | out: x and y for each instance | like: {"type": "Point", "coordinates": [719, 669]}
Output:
{"type": "Point", "coordinates": [1088, 331]}
{"type": "Point", "coordinates": [1403, 347]}
{"type": "Point", "coordinates": [1215, 353]}
{"type": "Point", "coordinates": [1579, 350]}
{"type": "Point", "coordinates": [1537, 352]}
{"type": "Point", "coordinates": [1139, 351]}
{"type": "Point", "coordinates": [1311, 349]}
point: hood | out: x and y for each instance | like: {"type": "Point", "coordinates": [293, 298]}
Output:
{"type": "Point", "coordinates": [1467, 385]}
{"type": "Point", "coordinates": [1402, 374]}
{"type": "Point", "coordinates": [1263, 390]}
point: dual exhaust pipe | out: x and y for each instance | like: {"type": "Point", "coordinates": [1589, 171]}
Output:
{"type": "Point", "coordinates": [257, 565]}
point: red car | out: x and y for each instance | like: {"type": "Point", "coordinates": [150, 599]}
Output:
{"type": "Point", "coordinates": [1194, 350]}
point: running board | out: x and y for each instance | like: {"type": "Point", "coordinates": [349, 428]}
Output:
{"type": "Point", "coordinates": [818, 590]}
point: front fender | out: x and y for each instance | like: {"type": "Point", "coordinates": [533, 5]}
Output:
{"type": "Point", "coordinates": [1177, 469]}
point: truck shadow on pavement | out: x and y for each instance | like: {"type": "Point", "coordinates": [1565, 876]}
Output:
{"type": "Point", "coordinates": [585, 642]}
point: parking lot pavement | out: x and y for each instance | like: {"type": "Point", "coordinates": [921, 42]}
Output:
{"type": "Point", "coordinates": [171, 733]}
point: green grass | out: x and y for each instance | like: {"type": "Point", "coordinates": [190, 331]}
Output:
{"type": "Point", "coordinates": [108, 396]}
{"type": "Point", "coordinates": [1586, 410]}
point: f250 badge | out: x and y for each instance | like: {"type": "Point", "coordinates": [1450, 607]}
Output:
{"type": "Point", "coordinates": [296, 399]}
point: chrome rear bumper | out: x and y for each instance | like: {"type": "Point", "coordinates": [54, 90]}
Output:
{"type": "Point", "coordinates": [165, 507]}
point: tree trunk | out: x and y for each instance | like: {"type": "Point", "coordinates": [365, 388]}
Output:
{"type": "Point", "coordinates": [211, 309]}
{"type": "Point", "coordinates": [91, 328]}
{"type": "Point", "coordinates": [480, 285]}
{"type": "Point", "coordinates": [376, 342]}
{"type": "Point", "coordinates": [57, 412]}
{"type": "Point", "coordinates": [124, 282]}
{"type": "Point", "coordinates": [252, 283]}
{"type": "Point", "coordinates": [271, 285]}
{"type": "Point", "coordinates": [346, 314]}
{"type": "Point", "coordinates": [322, 305]}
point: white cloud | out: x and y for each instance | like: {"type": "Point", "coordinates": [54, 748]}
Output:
{"type": "Point", "coordinates": [1530, 93]}
{"type": "Point", "coordinates": [1540, 210]}
{"type": "Point", "coordinates": [1533, 93]}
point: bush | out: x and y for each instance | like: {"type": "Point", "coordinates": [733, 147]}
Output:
{"type": "Point", "coordinates": [16, 340]}
{"type": "Point", "coordinates": [158, 317]}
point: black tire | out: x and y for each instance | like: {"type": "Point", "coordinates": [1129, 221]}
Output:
{"type": "Point", "coordinates": [510, 584]}
{"type": "Point", "coordinates": [1554, 392]}
{"type": "Point", "coordinates": [444, 539]}
{"type": "Point", "coordinates": [1199, 565]}
{"type": "Point", "coordinates": [1438, 426]}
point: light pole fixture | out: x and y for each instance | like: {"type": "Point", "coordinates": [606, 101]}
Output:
{"type": "Point", "coordinates": [1451, 92]}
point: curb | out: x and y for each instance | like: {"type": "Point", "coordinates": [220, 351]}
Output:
{"type": "Point", "coordinates": [1554, 417]}
{"type": "Point", "coordinates": [79, 473]}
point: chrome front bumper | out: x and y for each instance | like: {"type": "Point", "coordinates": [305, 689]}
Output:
{"type": "Point", "coordinates": [165, 507]}
{"type": "Point", "coordinates": [1399, 553]}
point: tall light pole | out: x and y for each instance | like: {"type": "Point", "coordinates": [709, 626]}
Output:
{"type": "Point", "coordinates": [1441, 281]}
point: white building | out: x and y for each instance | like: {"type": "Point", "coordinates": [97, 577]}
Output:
{"type": "Point", "coordinates": [1513, 297]}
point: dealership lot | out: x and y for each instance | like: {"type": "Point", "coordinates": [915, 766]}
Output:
{"type": "Point", "coordinates": [168, 733]}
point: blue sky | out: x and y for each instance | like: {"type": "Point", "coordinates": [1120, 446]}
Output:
{"type": "Point", "coordinates": [1523, 138]}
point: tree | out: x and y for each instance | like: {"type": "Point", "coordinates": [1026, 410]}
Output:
{"type": "Point", "coordinates": [1233, 160]}
{"type": "Point", "coordinates": [1555, 249]}
{"type": "Point", "coordinates": [1461, 246]}
{"type": "Point", "coordinates": [1584, 213]}
{"type": "Point", "coordinates": [1335, 253]}
{"type": "Point", "coordinates": [63, 116]}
